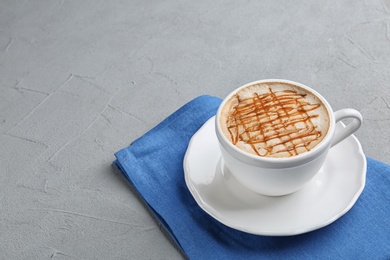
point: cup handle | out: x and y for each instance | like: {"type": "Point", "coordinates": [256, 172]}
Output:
{"type": "Point", "coordinates": [354, 125]}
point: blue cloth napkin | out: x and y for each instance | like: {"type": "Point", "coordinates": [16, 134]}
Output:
{"type": "Point", "coordinates": [153, 165]}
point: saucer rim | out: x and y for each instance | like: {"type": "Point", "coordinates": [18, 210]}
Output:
{"type": "Point", "coordinates": [295, 231]}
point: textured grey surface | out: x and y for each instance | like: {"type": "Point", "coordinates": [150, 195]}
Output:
{"type": "Point", "coordinates": [80, 80]}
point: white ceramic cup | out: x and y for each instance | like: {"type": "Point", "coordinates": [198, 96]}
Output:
{"type": "Point", "coordinates": [282, 176]}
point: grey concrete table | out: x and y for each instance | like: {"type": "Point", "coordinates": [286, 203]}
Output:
{"type": "Point", "coordinates": [80, 80]}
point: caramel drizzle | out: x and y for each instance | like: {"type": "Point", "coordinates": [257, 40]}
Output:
{"type": "Point", "coordinates": [274, 122]}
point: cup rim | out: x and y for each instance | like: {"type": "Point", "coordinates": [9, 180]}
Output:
{"type": "Point", "coordinates": [298, 159]}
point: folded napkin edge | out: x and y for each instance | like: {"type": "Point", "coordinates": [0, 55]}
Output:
{"type": "Point", "coordinates": [160, 222]}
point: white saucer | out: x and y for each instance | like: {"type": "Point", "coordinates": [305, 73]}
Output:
{"type": "Point", "coordinates": [328, 196]}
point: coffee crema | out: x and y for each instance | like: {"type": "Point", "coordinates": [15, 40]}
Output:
{"type": "Point", "coordinates": [274, 119]}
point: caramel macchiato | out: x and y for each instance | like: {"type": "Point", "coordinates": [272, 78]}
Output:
{"type": "Point", "coordinates": [274, 119]}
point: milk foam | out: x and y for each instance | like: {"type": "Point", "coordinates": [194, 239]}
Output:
{"type": "Point", "coordinates": [274, 119]}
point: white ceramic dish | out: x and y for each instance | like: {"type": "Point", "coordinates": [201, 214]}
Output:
{"type": "Point", "coordinates": [328, 196]}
